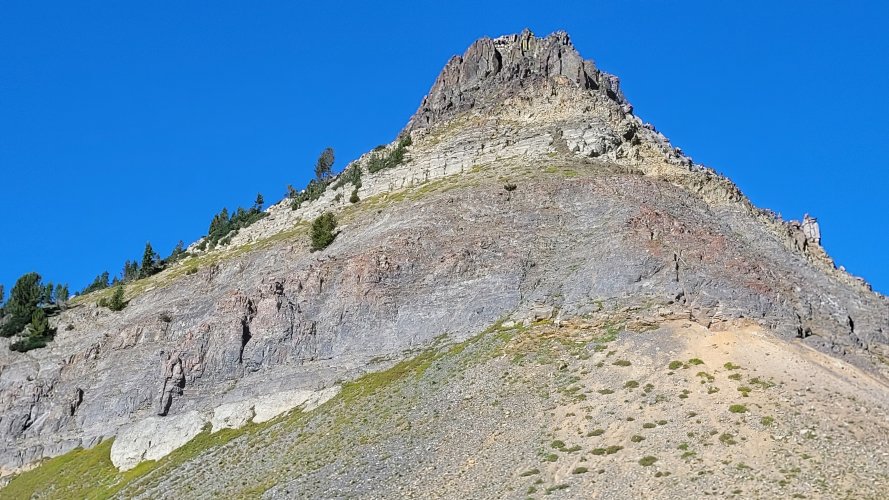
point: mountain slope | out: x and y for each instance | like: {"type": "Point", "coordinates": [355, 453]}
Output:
{"type": "Point", "coordinates": [607, 228]}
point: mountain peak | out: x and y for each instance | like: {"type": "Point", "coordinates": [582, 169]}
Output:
{"type": "Point", "coordinates": [493, 69]}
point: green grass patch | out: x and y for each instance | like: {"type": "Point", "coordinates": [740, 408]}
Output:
{"type": "Point", "coordinates": [706, 376]}
{"type": "Point", "coordinates": [763, 384]}
{"type": "Point", "coordinates": [727, 439]}
{"type": "Point", "coordinates": [89, 473]}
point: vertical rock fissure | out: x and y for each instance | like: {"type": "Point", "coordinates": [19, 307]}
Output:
{"type": "Point", "coordinates": [245, 337]}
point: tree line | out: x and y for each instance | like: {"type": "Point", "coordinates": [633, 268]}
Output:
{"type": "Point", "coordinates": [31, 301]}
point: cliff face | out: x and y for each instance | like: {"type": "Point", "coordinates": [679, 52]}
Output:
{"type": "Point", "coordinates": [493, 70]}
{"type": "Point", "coordinates": [606, 218]}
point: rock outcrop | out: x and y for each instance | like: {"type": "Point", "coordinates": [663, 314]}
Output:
{"type": "Point", "coordinates": [153, 438]}
{"type": "Point", "coordinates": [492, 71]}
{"type": "Point", "coordinates": [605, 215]}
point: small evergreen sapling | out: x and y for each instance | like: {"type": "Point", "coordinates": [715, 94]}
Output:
{"type": "Point", "coordinates": [323, 231]}
{"type": "Point", "coordinates": [116, 302]}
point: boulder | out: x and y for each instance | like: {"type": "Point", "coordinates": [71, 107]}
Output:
{"type": "Point", "coordinates": [154, 438]}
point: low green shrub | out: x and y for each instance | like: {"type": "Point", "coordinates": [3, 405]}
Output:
{"type": "Point", "coordinates": [737, 409]}
{"type": "Point", "coordinates": [323, 231]}
{"type": "Point", "coordinates": [379, 160]}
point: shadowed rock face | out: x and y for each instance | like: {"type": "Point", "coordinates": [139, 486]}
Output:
{"type": "Point", "coordinates": [606, 216]}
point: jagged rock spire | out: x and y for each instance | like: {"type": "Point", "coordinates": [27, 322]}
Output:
{"type": "Point", "coordinates": [492, 69]}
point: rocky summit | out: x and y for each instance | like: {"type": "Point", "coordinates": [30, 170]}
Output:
{"type": "Point", "coordinates": [542, 296]}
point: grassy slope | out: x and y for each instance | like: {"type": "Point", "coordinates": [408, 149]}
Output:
{"type": "Point", "coordinates": [90, 473]}
{"type": "Point", "coordinates": [577, 409]}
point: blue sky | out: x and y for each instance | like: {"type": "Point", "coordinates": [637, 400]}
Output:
{"type": "Point", "coordinates": [124, 122]}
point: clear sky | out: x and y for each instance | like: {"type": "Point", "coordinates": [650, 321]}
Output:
{"type": "Point", "coordinates": [124, 122]}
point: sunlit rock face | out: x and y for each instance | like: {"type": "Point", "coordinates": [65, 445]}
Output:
{"type": "Point", "coordinates": [604, 214]}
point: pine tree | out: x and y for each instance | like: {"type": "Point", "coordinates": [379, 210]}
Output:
{"type": "Point", "coordinates": [1, 294]}
{"type": "Point", "coordinates": [130, 271]}
{"type": "Point", "coordinates": [178, 252]}
{"type": "Point", "coordinates": [39, 333]}
{"type": "Point", "coordinates": [100, 283]}
{"type": "Point", "coordinates": [116, 303]}
{"type": "Point", "coordinates": [48, 291]}
{"type": "Point", "coordinates": [257, 205]}
{"type": "Point", "coordinates": [324, 165]}
{"type": "Point", "coordinates": [62, 294]}
{"type": "Point", "coordinates": [39, 324]}
{"type": "Point", "coordinates": [150, 262]}
{"type": "Point", "coordinates": [322, 231]}
{"type": "Point", "coordinates": [23, 301]}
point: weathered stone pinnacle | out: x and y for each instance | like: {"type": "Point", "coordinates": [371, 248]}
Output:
{"type": "Point", "coordinates": [493, 69]}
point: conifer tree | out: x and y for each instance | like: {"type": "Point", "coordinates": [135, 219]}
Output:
{"type": "Point", "coordinates": [99, 283]}
{"type": "Point", "coordinates": [130, 271]}
{"type": "Point", "coordinates": [324, 165]}
{"type": "Point", "coordinates": [150, 262]}
{"type": "Point", "coordinates": [39, 333]}
{"type": "Point", "coordinates": [39, 324]}
{"type": "Point", "coordinates": [48, 291]}
{"type": "Point", "coordinates": [322, 231]}
{"type": "Point", "coordinates": [177, 253]}
{"type": "Point", "coordinates": [23, 301]}
{"type": "Point", "coordinates": [116, 303]}
{"type": "Point", "coordinates": [62, 294]}
{"type": "Point", "coordinates": [257, 205]}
